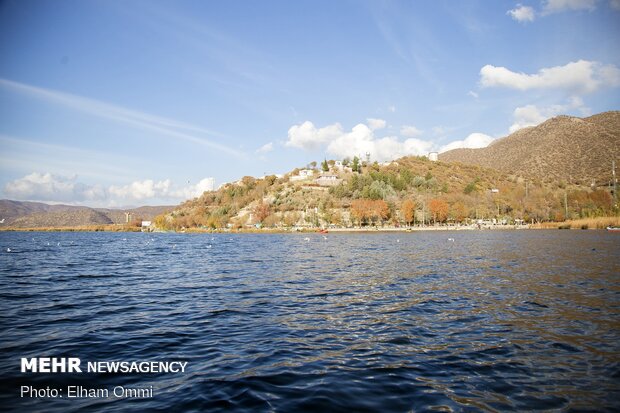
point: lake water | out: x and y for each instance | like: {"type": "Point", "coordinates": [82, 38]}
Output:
{"type": "Point", "coordinates": [491, 321]}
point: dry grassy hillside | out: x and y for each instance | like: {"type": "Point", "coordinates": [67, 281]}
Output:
{"type": "Point", "coordinates": [12, 210]}
{"type": "Point", "coordinates": [22, 214]}
{"type": "Point", "coordinates": [564, 148]}
{"type": "Point", "coordinates": [85, 216]}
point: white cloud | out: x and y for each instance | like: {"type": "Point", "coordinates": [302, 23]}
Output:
{"type": "Point", "coordinates": [361, 140]}
{"type": "Point", "coordinates": [47, 187]}
{"type": "Point", "coordinates": [376, 124]}
{"type": "Point", "coordinates": [410, 131]}
{"type": "Point", "coordinates": [140, 190]}
{"type": "Point", "coordinates": [268, 147]}
{"type": "Point", "coordinates": [532, 115]}
{"type": "Point", "coordinates": [522, 14]}
{"type": "Point", "coordinates": [556, 6]}
{"type": "Point", "coordinates": [392, 108]}
{"type": "Point", "coordinates": [579, 77]}
{"type": "Point", "coordinates": [474, 140]}
{"type": "Point", "coordinates": [307, 136]}
{"type": "Point", "coordinates": [614, 4]}
{"type": "Point", "coordinates": [473, 94]}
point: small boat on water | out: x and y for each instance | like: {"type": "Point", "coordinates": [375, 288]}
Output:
{"type": "Point", "coordinates": [323, 231]}
{"type": "Point", "coordinates": [614, 229]}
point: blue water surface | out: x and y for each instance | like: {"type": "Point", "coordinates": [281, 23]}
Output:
{"type": "Point", "coordinates": [491, 321]}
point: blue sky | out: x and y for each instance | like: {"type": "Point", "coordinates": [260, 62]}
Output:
{"type": "Point", "coordinates": [114, 103]}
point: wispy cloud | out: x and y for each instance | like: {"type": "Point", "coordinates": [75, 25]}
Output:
{"type": "Point", "coordinates": [268, 147]}
{"type": "Point", "coordinates": [557, 6]}
{"type": "Point", "coordinates": [527, 14]}
{"type": "Point", "coordinates": [161, 125]}
{"type": "Point", "coordinates": [25, 155]}
{"type": "Point", "coordinates": [410, 131]}
{"type": "Point", "coordinates": [412, 40]}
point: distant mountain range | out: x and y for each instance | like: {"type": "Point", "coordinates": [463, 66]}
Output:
{"type": "Point", "coordinates": [37, 214]}
{"type": "Point", "coordinates": [564, 148]}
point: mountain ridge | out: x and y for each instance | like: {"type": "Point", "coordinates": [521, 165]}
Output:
{"type": "Point", "coordinates": [28, 214]}
{"type": "Point", "coordinates": [563, 148]}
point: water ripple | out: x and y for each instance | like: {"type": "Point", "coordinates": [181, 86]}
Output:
{"type": "Point", "coordinates": [494, 321]}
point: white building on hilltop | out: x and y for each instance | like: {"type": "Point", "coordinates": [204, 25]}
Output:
{"type": "Point", "coordinates": [303, 174]}
{"type": "Point", "coordinates": [328, 180]}
{"type": "Point", "coordinates": [433, 156]}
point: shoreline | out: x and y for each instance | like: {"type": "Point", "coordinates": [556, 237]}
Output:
{"type": "Point", "coordinates": [600, 223]}
{"type": "Point", "coordinates": [300, 231]}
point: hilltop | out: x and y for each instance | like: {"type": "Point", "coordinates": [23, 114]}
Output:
{"type": "Point", "coordinates": [562, 149]}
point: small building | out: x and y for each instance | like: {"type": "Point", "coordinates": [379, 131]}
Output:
{"type": "Point", "coordinates": [328, 180]}
{"type": "Point", "coordinates": [433, 156]}
{"type": "Point", "coordinates": [146, 226]}
{"type": "Point", "coordinates": [495, 191]}
{"type": "Point", "coordinates": [303, 174]}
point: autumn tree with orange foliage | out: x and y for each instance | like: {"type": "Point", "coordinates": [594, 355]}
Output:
{"type": "Point", "coordinates": [408, 209]}
{"type": "Point", "coordinates": [359, 210]}
{"type": "Point", "coordinates": [458, 211]}
{"type": "Point", "coordinates": [365, 210]}
{"type": "Point", "coordinates": [261, 211]}
{"type": "Point", "coordinates": [380, 210]}
{"type": "Point", "coordinates": [438, 209]}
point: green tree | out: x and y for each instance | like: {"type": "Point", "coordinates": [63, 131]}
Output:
{"type": "Point", "coordinates": [380, 190]}
{"type": "Point", "coordinates": [356, 164]}
{"type": "Point", "coordinates": [471, 187]}
{"type": "Point", "coordinates": [324, 165]}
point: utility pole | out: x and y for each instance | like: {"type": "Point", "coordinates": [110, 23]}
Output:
{"type": "Point", "coordinates": [613, 174]}
{"type": "Point", "coordinates": [526, 188]}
